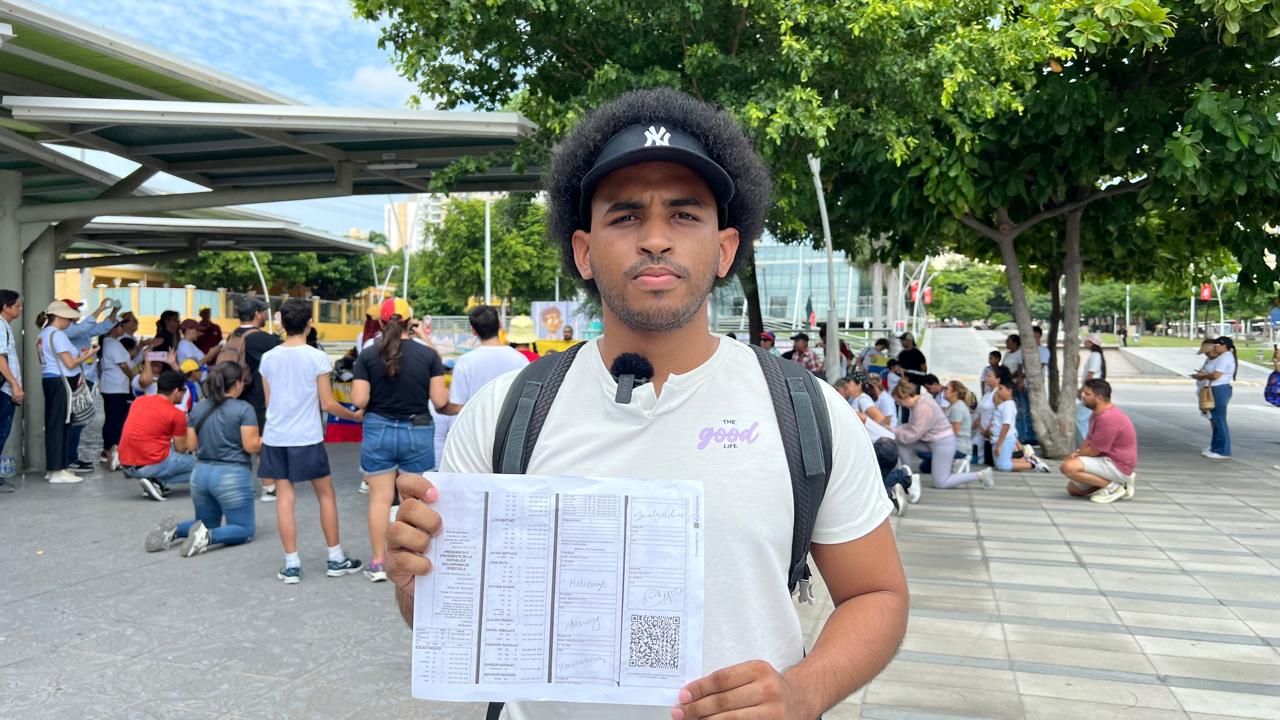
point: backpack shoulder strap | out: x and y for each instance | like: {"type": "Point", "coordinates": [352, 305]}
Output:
{"type": "Point", "coordinates": [525, 410]}
{"type": "Point", "coordinates": [805, 426]}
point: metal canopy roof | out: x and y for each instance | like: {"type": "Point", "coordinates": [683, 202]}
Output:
{"type": "Point", "coordinates": [55, 55]}
{"type": "Point", "coordinates": [230, 146]}
{"type": "Point", "coordinates": [152, 239]}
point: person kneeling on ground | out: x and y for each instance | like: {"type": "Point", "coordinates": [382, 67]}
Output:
{"type": "Point", "coordinates": [145, 449]}
{"type": "Point", "coordinates": [1103, 467]}
{"type": "Point", "coordinates": [929, 429]}
{"type": "Point", "coordinates": [224, 429]}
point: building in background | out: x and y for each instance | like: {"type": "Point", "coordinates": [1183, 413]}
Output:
{"type": "Point", "coordinates": [792, 280]}
{"type": "Point", "coordinates": [411, 218]}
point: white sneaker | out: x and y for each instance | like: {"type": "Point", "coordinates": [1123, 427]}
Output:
{"type": "Point", "coordinates": [959, 467]}
{"type": "Point", "coordinates": [114, 464]}
{"type": "Point", "coordinates": [197, 541]}
{"type": "Point", "coordinates": [364, 488]}
{"type": "Point", "coordinates": [1130, 485]}
{"type": "Point", "coordinates": [268, 493]}
{"type": "Point", "coordinates": [60, 477]}
{"type": "Point", "coordinates": [914, 491]}
{"type": "Point", "coordinates": [988, 479]}
{"type": "Point", "coordinates": [1108, 494]}
{"type": "Point", "coordinates": [1216, 456]}
{"type": "Point", "coordinates": [900, 499]}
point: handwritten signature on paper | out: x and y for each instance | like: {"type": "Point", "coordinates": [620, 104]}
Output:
{"type": "Point", "coordinates": [565, 667]}
{"type": "Point", "coordinates": [578, 622]}
{"type": "Point", "coordinates": [662, 516]}
{"type": "Point", "coordinates": [662, 597]}
{"type": "Point", "coordinates": [587, 583]}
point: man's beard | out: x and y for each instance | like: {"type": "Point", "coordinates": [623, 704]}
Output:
{"type": "Point", "coordinates": [658, 320]}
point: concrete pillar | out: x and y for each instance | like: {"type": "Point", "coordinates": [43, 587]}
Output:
{"type": "Point", "coordinates": [221, 310]}
{"type": "Point", "coordinates": [37, 281]}
{"type": "Point", "coordinates": [315, 308]}
{"type": "Point", "coordinates": [134, 299]}
{"type": "Point", "coordinates": [190, 296]}
{"type": "Point", "coordinates": [343, 311]}
{"type": "Point", "coordinates": [11, 276]}
{"type": "Point", "coordinates": [877, 296]}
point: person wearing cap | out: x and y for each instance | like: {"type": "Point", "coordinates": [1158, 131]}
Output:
{"type": "Point", "coordinates": [522, 335]}
{"type": "Point", "coordinates": [61, 372]}
{"type": "Point", "coordinates": [769, 341]}
{"type": "Point", "coordinates": [655, 198]}
{"type": "Point", "coordinates": [803, 354]}
{"type": "Point", "coordinates": [1219, 372]}
{"type": "Point", "coordinates": [210, 332]}
{"type": "Point", "coordinates": [397, 383]}
{"type": "Point", "coordinates": [194, 374]}
{"type": "Point", "coordinates": [1094, 368]}
{"type": "Point", "coordinates": [252, 312]}
{"type": "Point", "coordinates": [188, 345]}
{"type": "Point", "coordinates": [82, 335]}
{"type": "Point", "coordinates": [295, 381]}
{"type": "Point", "coordinates": [483, 364]}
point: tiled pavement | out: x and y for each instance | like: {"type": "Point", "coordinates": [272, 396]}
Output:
{"type": "Point", "coordinates": [1025, 603]}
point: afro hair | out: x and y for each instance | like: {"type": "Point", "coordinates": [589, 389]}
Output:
{"type": "Point", "coordinates": [723, 138]}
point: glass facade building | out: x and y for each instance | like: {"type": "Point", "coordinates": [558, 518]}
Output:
{"type": "Point", "coordinates": [791, 276]}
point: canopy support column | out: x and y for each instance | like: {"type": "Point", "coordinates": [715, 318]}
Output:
{"type": "Point", "coordinates": [11, 278]}
{"type": "Point", "coordinates": [37, 280]}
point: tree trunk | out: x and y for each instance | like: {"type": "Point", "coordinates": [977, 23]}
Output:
{"type": "Point", "coordinates": [1055, 320]}
{"type": "Point", "coordinates": [751, 290]}
{"type": "Point", "coordinates": [1071, 266]}
{"type": "Point", "coordinates": [1054, 440]}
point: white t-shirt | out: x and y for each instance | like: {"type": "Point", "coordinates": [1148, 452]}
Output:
{"type": "Point", "coordinates": [1013, 361]}
{"type": "Point", "coordinates": [876, 431]}
{"type": "Point", "coordinates": [187, 350]}
{"type": "Point", "coordinates": [1225, 364]}
{"type": "Point", "coordinates": [136, 386]}
{"type": "Point", "coordinates": [888, 407]}
{"type": "Point", "coordinates": [1006, 414]}
{"type": "Point", "coordinates": [941, 399]}
{"type": "Point", "coordinates": [9, 348]}
{"type": "Point", "coordinates": [1044, 359]}
{"type": "Point", "coordinates": [293, 411]}
{"type": "Point", "coordinates": [987, 412]}
{"type": "Point", "coordinates": [748, 611]}
{"type": "Point", "coordinates": [53, 341]}
{"type": "Point", "coordinates": [862, 402]}
{"type": "Point", "coordinates": [481, 366]}
{"type": "Point", "coordinates": [1092, 364]}
{"type": "Point", "coordinates": [114, 381]}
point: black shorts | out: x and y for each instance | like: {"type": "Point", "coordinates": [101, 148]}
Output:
{"type": "Point", "coordinates": [295, 464]}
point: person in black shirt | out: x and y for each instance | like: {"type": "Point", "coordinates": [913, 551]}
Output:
{"type": "Point", "coordinates": [167, 330]}
{"type": "Point", "coordinates": [911, 359]}
{"type": "Point", "coordinates": [397, 380]}
{"type": "Point", "coordinates": [252, 312]}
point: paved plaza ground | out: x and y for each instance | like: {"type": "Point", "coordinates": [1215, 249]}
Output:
{"type": "Point", "coordinates": [1025, 603]}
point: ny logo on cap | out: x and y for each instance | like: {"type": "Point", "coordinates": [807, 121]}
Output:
{"type": "Point", "coordinates": [659, 136]}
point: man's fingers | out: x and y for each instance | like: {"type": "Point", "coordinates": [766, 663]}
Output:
{"type": "Point", "coordinates": [711, 706]}
{"type": "Point", "coordinates": [723, 680]}
{"type": "Point", "coordinates": [419, 515]}
{"type": "Point", "coordinates": [405, 563]}
{"type": "Point", "coordinates": [416, 486]}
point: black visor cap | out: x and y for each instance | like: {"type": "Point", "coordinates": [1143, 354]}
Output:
{"type": "Point", "coordinates": [656, 142]}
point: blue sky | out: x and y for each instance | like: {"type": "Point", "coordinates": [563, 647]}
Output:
{"type": "Point", "coordinates": [313, 51]}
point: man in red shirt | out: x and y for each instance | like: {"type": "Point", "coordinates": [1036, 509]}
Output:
{"type": "Point", "coordinates": [1103, 468]}
{"type": "Point", "coordinates": [210, 332]}
{"type": "Point", "coordinates": [146, 452]}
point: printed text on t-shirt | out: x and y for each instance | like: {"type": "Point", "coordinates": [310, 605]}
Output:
{"type": "Point", "coordinates": [728, 434]}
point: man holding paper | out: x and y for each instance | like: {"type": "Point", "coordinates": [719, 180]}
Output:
{"type": "Point", "coordinates": [654, 198]}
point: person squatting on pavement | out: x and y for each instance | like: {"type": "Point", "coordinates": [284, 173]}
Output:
{"type": "Point", "coordinates": [1104, 466]}
{"type": "Point", "coordinates": [655, 197]}
{"type": "Point", "coordinates": [224, 431]}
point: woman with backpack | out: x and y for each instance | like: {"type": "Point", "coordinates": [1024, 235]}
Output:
{"type": "Point", "coordinates": [224, 429]}
{"type": "Point", "coordinates": [396, 382]}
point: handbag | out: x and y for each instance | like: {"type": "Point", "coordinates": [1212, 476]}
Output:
{"type": "Point", "coordinates": [1206, 399]}
{"type": "Point", "coordinates": [80, 400]}
{"type": "Point", "coordinates": [1272, 393]}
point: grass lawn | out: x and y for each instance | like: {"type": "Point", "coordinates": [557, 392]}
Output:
{"type": "Point", "coordinates": [1249, 350]}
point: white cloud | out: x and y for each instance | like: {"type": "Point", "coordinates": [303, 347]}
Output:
{"type": "Point", "coordinates": [378, 86]}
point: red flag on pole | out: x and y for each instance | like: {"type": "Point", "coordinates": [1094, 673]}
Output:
{"type": "Point", "coordinates": [1206, 291]}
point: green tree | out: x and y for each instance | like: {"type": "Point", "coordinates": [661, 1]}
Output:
{"type": "Point", "coordinates": [525, 264]}
{"type": "Point", "coordinates": [965, 291]}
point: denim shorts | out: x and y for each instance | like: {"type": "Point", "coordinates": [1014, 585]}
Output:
{"type": "Point", "coordinates": [296, 464]}
{"type": "Point", "coordinates": [396, 444]}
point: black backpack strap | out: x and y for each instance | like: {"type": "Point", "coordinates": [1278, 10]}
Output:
{"type": "Point", "coordinates": [525, 410]}
{"type": "Point", "coordinates": [495, 708]}
{"type": "Point", "coordinates": [805, 426]}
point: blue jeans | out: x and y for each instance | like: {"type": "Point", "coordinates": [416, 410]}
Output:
{"type": "Point", "coordinates": [1083, 416]}
{"type": "Point", "coordinates": [73, 437]}
{"type": "Point", "coordinates": [1221, 442]}
{"type": "Point", "coordinates": [218, 491]}
{"type": "Point", "coordinates": [7, 408]}
{"type": "Point", "coordinates": [396, 444]}
{"type": "Point", "coordinates": [1026, 430]}
{"type": "Point", "coordinates": [175, 469]}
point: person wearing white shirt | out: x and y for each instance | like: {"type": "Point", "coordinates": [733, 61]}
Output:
{"type": "Point", "coordinates": [117, 370]}
{"type": "Point", "coordinates": [60, 375]}
{"type": "Point", "coordinates": [490, 360]}
{"type": "Point", "coordinates": [295, 382]}
{"type": "Point", "coordinates": [1220, 372]}
{"type": "Point", "coordinates": [188, 333]}
{"type": "Point", "coordinates": [648, 230]}
{"type": "Point", "coordinates": [11, 394]}
{"type": "Point", "coordinates": [1094, 368]}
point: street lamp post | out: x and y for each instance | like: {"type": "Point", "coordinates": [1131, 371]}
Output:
{"type": "Point", "coordinates": [832, 340]}
{"type": "Point", "coordinates": [488, 256]}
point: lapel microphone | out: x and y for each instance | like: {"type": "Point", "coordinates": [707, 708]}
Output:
{"type": "Point", "coordinates": [631, 371]}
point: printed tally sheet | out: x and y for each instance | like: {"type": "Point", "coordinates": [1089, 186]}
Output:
{"type": "Point", "coordinates": [561, 588]}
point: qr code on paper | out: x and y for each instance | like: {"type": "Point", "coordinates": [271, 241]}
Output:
{"type": "Point", "coordinates": [655, 642]}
